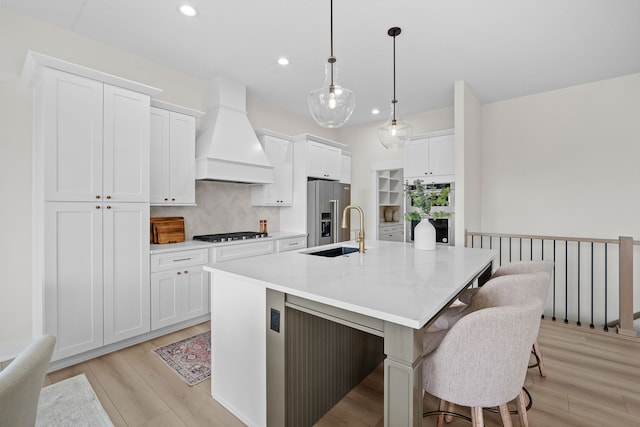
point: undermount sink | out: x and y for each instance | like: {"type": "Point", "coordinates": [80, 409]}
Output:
{"type": "Point", "coordinates": [334, 252]}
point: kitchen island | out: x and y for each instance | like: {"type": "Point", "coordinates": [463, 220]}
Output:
{"type": "Point", "coordinates": [391, 291]}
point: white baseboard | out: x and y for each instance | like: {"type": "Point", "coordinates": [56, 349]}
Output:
{"type": "Point", "coordinates": [82, 357]}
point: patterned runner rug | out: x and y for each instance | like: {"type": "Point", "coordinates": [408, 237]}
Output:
{"type": "Point", "coordinates": [190, 358]}
{"type": "Point", "coordinates": [71, 402]}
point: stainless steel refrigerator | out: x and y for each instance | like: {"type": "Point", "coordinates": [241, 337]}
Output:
{"type": "Point", "coordinates": [325, 202]}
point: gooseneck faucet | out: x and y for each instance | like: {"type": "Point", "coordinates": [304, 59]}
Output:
{"type": "Point", "coordinates": [360, 236]}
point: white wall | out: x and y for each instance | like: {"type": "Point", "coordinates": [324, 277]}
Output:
{"type": "Point", "coordinates": [18, 34]}
{"type": "Point", "coordinates": [468, 149]}
{"type": "Point", "coordinates": [564, 162]}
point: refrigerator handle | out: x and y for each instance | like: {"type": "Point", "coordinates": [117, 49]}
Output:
{"type": "Point", "coordinates": [335, 227]}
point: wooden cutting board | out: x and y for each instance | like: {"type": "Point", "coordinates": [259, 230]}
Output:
{"type": "Point", "coordinates": [167, 229]}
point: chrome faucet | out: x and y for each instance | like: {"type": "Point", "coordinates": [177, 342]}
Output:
{"type": "Point", "coordinates": [360, 236]}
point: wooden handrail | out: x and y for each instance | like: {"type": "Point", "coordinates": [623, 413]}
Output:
{"type": "Point", "coordinates": [537, 237]}
{"type": "Point", "coordinates": [624, 325]}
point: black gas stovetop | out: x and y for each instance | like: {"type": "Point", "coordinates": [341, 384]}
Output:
{"type": "Point", "coordinates": [228, 237]}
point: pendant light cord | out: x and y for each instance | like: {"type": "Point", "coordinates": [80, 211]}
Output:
{"type": "Point", "coordinates": [332, 59]}
{"type": "Point", "coordinates": [394, 101]}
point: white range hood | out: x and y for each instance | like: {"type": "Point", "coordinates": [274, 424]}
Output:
{"type": "Point", "coordinates": [227, 148]}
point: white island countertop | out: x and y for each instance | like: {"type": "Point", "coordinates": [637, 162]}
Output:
{"type": "Point", "coordinates": [391, 281]}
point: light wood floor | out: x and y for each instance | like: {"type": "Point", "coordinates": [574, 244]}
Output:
{"type": "Point", "coordinates": [593, 380]}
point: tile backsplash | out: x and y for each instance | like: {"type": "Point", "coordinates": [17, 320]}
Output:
{"type": "Point", "coordinates": [222, 207]}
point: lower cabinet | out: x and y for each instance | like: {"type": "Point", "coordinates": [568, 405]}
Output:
{"type": "Point", "coordinates": [96, 274]}
{"type": "Point", "coordinates": [391, 232]}
{"type": "Point", "coordinates": [179, 287]}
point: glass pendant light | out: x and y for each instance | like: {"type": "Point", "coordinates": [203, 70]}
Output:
{"type": "Point", "coordinates": [395, 132]}
{"type": "Point", "coordinates": [331, 105]}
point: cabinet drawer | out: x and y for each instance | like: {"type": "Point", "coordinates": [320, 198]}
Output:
{"type": "Point", "coordinates": [178, 259]}
{"type": "Point", "coordinates": [396, 228]}
{"type": "Point", "coordinates": [291, 244]}
{"type": "Point", "coordinates": [242, 250]}
{"type": "Point", "coordinates": [392, 233]}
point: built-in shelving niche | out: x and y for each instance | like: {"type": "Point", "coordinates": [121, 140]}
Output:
{"type": "Point", "coordinates": [390, 194]}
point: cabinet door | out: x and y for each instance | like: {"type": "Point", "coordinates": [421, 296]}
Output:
{"type": "Point", "coordinates": [70, 110]}
{"type": "Point", "coordinates": [323, 161]}
{"type": "Point", "coordinates": [332, 162]}
{"type": "Point", "coordinates": [166, 298]}
{"type": "Point", "coordinates": [126, 270]}
{"type": "Point", "coordinates": [125, 145]}
{"type": "Point", "coordinates": [73, 302]}
{"type": "Point", "coordinates": [280, 193]}
{"type": "Point", "coordinates": [159, 164]}
{"type": "Point", "coordinates": [195, 292]}
{"type": "Point", "coordinates": [416, 159]}
{"type": "Point", "coordinates": [315, 160]}
{"type": "Point", "coordinates": [345, 169]}
{"type": "Point", "coordinates": [441, 155]}
{"type": "Point", "coordinates": [182, 188]}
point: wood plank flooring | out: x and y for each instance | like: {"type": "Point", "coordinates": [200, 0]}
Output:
{"type": "Point", "coordinates": [593, 380]}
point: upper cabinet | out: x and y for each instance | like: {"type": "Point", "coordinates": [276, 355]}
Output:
{"type": "Point", "coordinates": [345, 168]}
{"type": "Point", "coordinates": [323, 161]}
{"type": "Point", "coordinates": [279, 151]}
{"type": "Point", "coordinates": [430, 158]}
{"type": "Point", "coordinates": [95, 138]}
{"type": "Point", "coordinates": [173, 139]}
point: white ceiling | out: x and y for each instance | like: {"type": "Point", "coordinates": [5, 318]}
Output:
{"type": "Point", "coordinates": [501, 48]}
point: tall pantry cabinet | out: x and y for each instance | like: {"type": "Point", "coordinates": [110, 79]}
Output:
{"type": "Point", "coordinates": [91, 205]}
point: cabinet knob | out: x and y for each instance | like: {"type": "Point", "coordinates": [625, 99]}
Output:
{"type": "Point", "coordinates": [179, 272]}
{"type": "Point", "coordinates": [186, 272]}
{"type": "Point", "coordinates": [166, 199]}
{"type": "Point", "coordinates": [97, 206]}
{"type": "Point", "coordinates": [97, 196]}
{"type": "Point", "coordinates": [173, 199]}
{"type": "Point", "coordinates": [108, 207]}
{"type": "Point", "coordinates": [108, 197]}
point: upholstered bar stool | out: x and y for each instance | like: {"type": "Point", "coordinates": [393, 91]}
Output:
{"type": "Point", "coordinates": [447, 318]}
{"type": "Point", "coordinates": [482, 362]}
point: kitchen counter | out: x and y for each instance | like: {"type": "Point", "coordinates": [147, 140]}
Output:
{"type": "Point", "coordinates": [392, 281]}
{"type": "Point", "coordinates": [391, 291]}
{"type": "Point", "coordinates": [197, 244]}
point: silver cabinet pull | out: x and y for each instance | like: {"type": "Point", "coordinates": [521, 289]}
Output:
{"type": "Point", "coordinates": [181, 259]}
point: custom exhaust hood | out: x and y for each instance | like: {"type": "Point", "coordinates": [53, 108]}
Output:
{"type": "Point", "coordinates": [227, 148]}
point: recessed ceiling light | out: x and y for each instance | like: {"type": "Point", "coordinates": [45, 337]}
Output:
{"type": "Point", "coordinates": [283, 61]}
{"type": "Point", "coordinates": [188, 10]}
{"type": "Point", "coordinates": [375, 111]}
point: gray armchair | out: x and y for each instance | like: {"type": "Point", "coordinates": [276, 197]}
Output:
{"type": "Point", "coordinates": [21, 382]}
{"type": "Point", "coordinates": [482, 361]}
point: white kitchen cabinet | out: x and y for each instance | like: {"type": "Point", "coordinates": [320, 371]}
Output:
{"type": "Point", "coordinates": [279, 151]}
{"type": "Point", "coordinates": [91, 205]}
{"type": "Point", "coordinates": [95, 138]}
{"type": "Point", "coordinates": [125, 269]}
{"type": "Point", "coordinates": [242, 250]}
{"type": "Point", "coordinates": [323, 160]}
{"type": "Point", "coordinates": [345, 168]}
{"type": "Point", "coordinates": [173, 136]}
{"type": "Point", "coordinates": [291, 244]}
{"type": "Point", "coordinates": [96, 274]}
{"type": "Point", "coordinates": [430, 158]}
{"type": "Point", "coordinates": [73, 281]}
{"type": "Point", "coordinates": [179, 287]}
